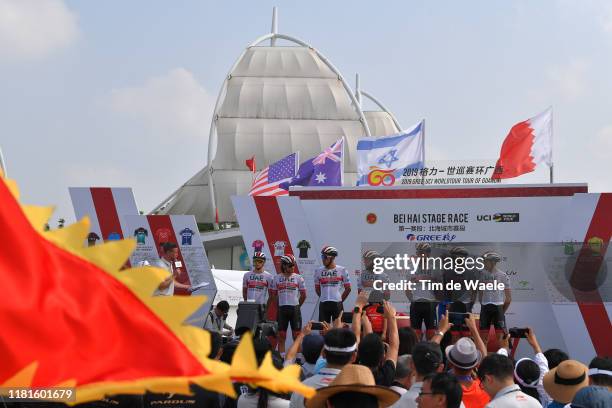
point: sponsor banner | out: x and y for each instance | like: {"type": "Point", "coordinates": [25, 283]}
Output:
{"type": "Point", "coordinates": [105, 208]}
{"type": "Point", "coordinates": [347, 218]}
{"type": "Point", "coordinates": [150, 231]}
{"type": "Point", "coordinates": [451, 172]}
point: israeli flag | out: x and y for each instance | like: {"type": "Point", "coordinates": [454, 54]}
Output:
{"type": "Point", "coordinates": [390, 155]}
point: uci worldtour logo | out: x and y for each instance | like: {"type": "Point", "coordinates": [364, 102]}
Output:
{"type": "Point", "coordinates": [499, 217]}
{"type": "Point", "coordinates": [431, 237]}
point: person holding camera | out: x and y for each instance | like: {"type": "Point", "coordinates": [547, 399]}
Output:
{"type": "Point", "coordinates": [332, 285]}
{"type": "Point", "coordinates": [289, 293]}
{"type": "Point", "coordinates": [215, 320]}
{"type": "Point", "coordinates": [494, 303]}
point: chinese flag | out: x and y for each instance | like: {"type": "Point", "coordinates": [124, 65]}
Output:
{"type": "Point", "coordinates": [67, 319]}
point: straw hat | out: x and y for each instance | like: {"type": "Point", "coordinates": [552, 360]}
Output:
{"type": "Point", "coordinates": [564, 381]}
{"type": "Point", "coordinates": [354, 378]}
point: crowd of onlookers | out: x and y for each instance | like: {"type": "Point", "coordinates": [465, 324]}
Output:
{"type": "Point", "coordinates": [351, 366]}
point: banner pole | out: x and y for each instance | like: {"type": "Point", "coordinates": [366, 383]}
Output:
{"type": "Point", "coordinates": [423, 131]}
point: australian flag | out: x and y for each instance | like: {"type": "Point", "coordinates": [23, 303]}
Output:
{"type": "Point", "coordinates": [324, 170]}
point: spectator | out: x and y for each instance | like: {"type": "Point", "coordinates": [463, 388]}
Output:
{"type": "Point", "coordinates": [403, 374]}
{"type": "Point", "coordinates": [340, 349]}
{"type": "Point", "coordinates": [527, 376]}
{"type": "Point", "coordinates": [592, 397]}
{"type": "Point", "coordinates": [463, 357]}
{"type": "Point", "coordinates": [525, 371]}
{"type": "Point", "coordinates": [372, 352]}
{"type": "Point", "coordinates": [426, 359]}
{"type": "Point", "coordinates": [496, 375]}
{"type": "Point", "coordinates": [311, 346]}
{"type": "Point", "coordinates": [216, 342]}
{"type": "Point", "coordinates": [564, 381]}
{"type": "Point", "coordinates": [407, 339]}
{"type": "Point", "coordinates": [600, 372]}
{"type": "Point", "coordinates": [215, 320]}
{"type": "Point", "coordinates": [353, 386]}
{"type": "Point", "coordinates": [554, 357]}
{"type": "Point", "coordinates": [440, 390]}
{"type": "Point", "coordinates": [261, 397]}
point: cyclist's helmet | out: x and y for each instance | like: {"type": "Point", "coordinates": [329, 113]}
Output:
{"type": "Point", "coordinates": [491, 256]}
{"type": "Point", "coordinates": [259, 255]}
{"type": "Point", "coordinates": [459, 251]}
{"type": "Point", "coordinates": [329, 251]}
{"type": "Point", "coordinates": [371, 254]}
{"type": "Point", "coordinates": [423, 247]}
{"type": "Point", "coordinates": [287, 260]}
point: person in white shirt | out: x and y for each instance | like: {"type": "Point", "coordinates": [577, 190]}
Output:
{"type": "Point", "coordinates": [215, 320]}
{"type": "Point", "coordinates": [288, 293]}
{"type": "Point", "coordinates": [256, 283]}
{"type": "Point", "coordinates": [496, 374]}
{"type": "Point", "coordinates": [169, 261]}
{"type": "Point", "coordinates": [332, 285]}
{"type": "Point", "coordinates": [494, 303]}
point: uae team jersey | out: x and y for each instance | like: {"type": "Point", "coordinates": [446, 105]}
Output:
{"type": "Point", "coordinates": [279, 248]}
{"type": "Point", "coordinates": [288, 289]}
{"type": "Point", "coordinates": [367, 278]}
{"type": "Point", "coordinates": [494, 297]}
{"type": "Point", "coordinates": [332, 283]}
{"type": "Point", "coordinates": [257, 285]}
{"type": "Point", "coordinates": [421, 276]}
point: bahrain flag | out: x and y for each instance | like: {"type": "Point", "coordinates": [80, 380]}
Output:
{"type": "Point", "coordinates": [528, 144]}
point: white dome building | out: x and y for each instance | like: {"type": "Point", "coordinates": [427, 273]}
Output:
{"type": "Point", "coordinates": [277, 99]}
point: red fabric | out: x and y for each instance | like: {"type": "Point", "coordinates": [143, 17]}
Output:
{"type": "Point", "coordinates": [515, 156]}
{"type": "Point", "coordinates": [376, 319]}
{"type": "Point", "coordinates": [250, 163]}
{"type": "Point", "coordinates": [474, 396]}
{"type": "Point", "coordinates": [73, 318]}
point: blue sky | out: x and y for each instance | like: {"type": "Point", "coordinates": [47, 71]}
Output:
{"type": "Point", "coordinates": [120, 93]}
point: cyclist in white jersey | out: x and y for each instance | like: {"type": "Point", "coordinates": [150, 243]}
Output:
{"type": "Point", "coordinates": [289, 293]}
{"type": "Point", "coordinates": [332, 285]}
{"type": "Point", "coordinates": [367, 277]}
{"type": "Point", "coordinates": [255, 284]}
{"type": "Point", "coordinates": [493, 303]}
{"type": "Point", "coordinates": [423, 301]}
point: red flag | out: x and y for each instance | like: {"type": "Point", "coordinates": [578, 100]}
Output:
{"type": "Point", "coordinates": [528, 144]}
{"type": "Point", "coordinates": [250, 163]}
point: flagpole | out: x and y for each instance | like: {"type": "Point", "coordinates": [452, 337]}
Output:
{"type": "Point", "coordinates": [552, 135]}
{"type": "Point", "coordinates": [423, 132]}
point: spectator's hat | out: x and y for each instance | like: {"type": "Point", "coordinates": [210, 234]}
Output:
{"type": "Point", "coordinates": [594, 396]}
{"type": "Point", "coordinates": [354, 378]}
{"type": "Point", "coordinates": [312, 342]}
{"type": "Point", "coordinates": [564, 381]}
{"type": "Point", "coordinates": [463, 354]}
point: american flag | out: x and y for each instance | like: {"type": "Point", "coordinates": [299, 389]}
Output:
{"type": "Point", "coordinates": [267, 181]}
